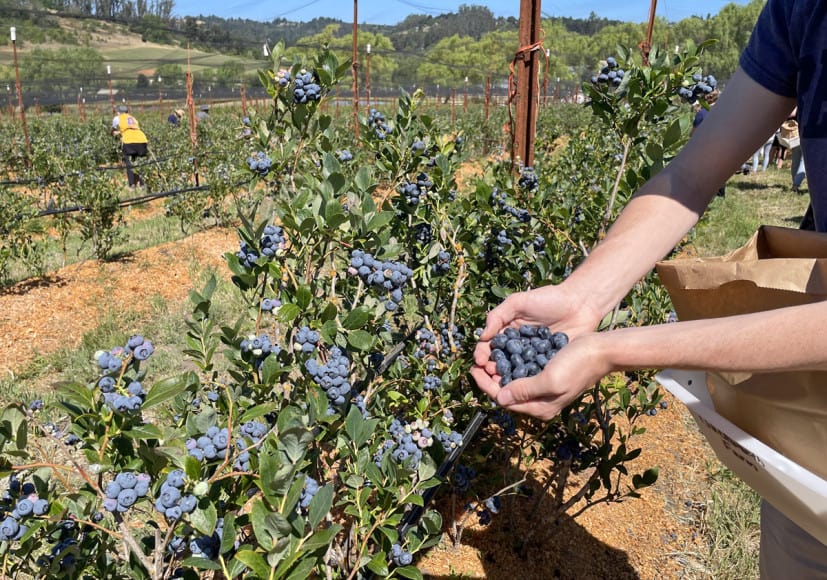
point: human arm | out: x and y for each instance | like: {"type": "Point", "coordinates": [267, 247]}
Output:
{"type": "Point", "coordinates": [652, 223]}
{"type": "Point", "coordinates": [784, 339]}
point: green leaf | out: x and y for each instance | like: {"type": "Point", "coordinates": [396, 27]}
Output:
{"type": "Point", "coordinates": [303, 297]}
{"type": "Point", "coordinates": [360, 340]}
{"type": "Point", "coordinates": [201, 563]}
{"type": "Point", "coordinates": [268, 527]}
{"type": "Point", "coordinates": [379, 564]}
{"type": "Point", "coordinates": [362, 179]}
{"type": "Point", "coordinates": [320, 505]}
{"type": "Point", "coordinates": [204, 519]}
{"type": "Point", "coordinates": [295, 442]}
{"type": "Point", "coordinates": [322, 538]}
{"type": "Point", "coordinates": [75, 393]}
{"type": "Point", "coordinates": [254, 561]}
{"type": "Point", "coordinates": [169, 389]}
{"type": "Point", "coordinates": [228, 533]}
{"type": "Point", "coordinates": [357, 318]}
{"type": "Point", "coordinates": [145, 431]}
{"type": "Point", "coordinates": [410, 572]}
{"type": "Point", "coordinates": [379, 221]}
{"type": "Point", "coordinates": [288, 313]}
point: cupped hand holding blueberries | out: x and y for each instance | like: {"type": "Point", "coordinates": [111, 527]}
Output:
{"type": "Point", "coordinates": [525, 362]}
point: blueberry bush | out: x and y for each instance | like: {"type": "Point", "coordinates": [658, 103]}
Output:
{"type": "Point", "coordinates": [306, 436]}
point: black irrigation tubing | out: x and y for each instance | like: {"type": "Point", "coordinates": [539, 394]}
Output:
{"type": "Point", "coordinates": [43, 181]}
{"type": "Point", "coordinates": [132, 200]}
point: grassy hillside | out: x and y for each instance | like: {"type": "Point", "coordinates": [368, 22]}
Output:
{"type": "Point", "coordinates": [124, 51]}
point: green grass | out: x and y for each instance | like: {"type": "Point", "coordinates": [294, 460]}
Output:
{"type": "Point", "coordinates": [751, 201]}
{"type": "Point", "coordinates": [127, 62]}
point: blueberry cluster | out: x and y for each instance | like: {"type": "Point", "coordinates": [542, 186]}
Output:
{"type": "Point", "coordinates": [270, 305]}
{"type": "Point", "coordinates": [211, 445]}
{"type": "Point", "coordinates": [208, 546]}
{"type": "Point", "coordinates": [36, 405]}
{"type": "Point", "coordinates": [311, 487]}
{"type": "Point", "coordinates": [283, 78]}
{"type": "Point", "coordinates": [462, 477]}
{"type": "Point", "coordinates": [425, 343]}
{"type": "Point", "coordinates": [306, 339]}
{"type": "Point", "coordinates": [64, 549]}
{"type": "Point", "coordinates": [251, 431]}
{"type": "Point", "coordinates": [700, 87]}
{"type": "Point", "coordinates": [255, 349]}
{"type": "Point", "coordinates": [443, 263]}
{"type": "Point", "coordinates": [377, 121]}
{"type": "Point", "coordinates": [450, 440]}
{"type": "Point", "coordinates": [609, 74]}
{"type": "Point", "coordinates": [505, 420]}
{"type": "Point", "coordinates": [389, 275]}
{"type": "Point", "coordinates": [528, 179]}
{"type": "Point", "coordinates": [171, 501]}
{"type": "Point", "coordinates": [449, 336]}
{"type": "Point", "coordinates": [260, 163]}
{"type": "Point", "coordinates": [400, 557]}
{"type": "Point", "coordinates": [305, 88]}
{"type": "Point", "coordinates": [492, 505]}
{"type": "Point", "coordinates": [423, 233]}
{"type": "Point", "coordinates": [500, 200]}
{"type": "Point", "coordinates": [272, 243]}
{"type": "Point", "coordinates": [123, 491]}
{"type": "Point", "coordinates": [345, 156]}
{"type": "Point", "coordinates": [407, 442]}
{"type": "Point", "coordinates": [120, 392]}
{"type": "Point", "coordinates": [432, 383]}
{"type": "Point", "coordinates": [414, 191]}
{"type": "Point", "coordinates": [418, 146]}
{"type": "Point", "coordinates": [12, 527]}
{"type": "Point", "coordinates": [538, 243]}
{"type": "Point", "coordinates": [332, 376]}
{"type": "Point", "coordinates": [524, 352]}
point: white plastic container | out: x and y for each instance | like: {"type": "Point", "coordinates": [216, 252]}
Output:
{"type": "Point", "coordinates": [795, 491]}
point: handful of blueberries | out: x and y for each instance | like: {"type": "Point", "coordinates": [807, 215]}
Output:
{"type": "Point", "coordinates": [523, 352]}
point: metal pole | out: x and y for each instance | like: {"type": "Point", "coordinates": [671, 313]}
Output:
{"type": "Point", "coordinates": [545, 77]}
{"type": "Point", "coordinates": [465, 97]}
{"type": "Point", "coordinates": [19, 88]}
{"type": "Point", "coordinates": [367, 73]}
{"type": "Point", "coordinates": [526, 68]}
{"type": "Point", "coordinates": [646, 45]}
{"type": "Point", "coordinates": [355, 69]}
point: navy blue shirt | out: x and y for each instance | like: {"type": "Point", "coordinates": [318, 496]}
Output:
{"type": "Point", "coordinates": [787, 54]}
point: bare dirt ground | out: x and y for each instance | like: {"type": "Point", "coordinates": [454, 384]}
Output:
{"type": "Point", "coordinates": [653, 537]}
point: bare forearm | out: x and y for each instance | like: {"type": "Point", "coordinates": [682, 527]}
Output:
{"type": "Point", "coordinates": [774, 340]}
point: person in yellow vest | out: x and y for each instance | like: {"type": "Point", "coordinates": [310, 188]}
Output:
{"type": "Point", "coordinates": [133, 142]}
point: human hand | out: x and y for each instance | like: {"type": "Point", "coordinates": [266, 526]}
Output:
{"type": "Point", "coordinates": [575, 368]}
{"type": "Point", "coordinates": [551, 306]}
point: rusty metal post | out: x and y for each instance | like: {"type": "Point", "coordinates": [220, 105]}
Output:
{"type": "Point", "coordinates": [646, 45]}
{"type": "Point", "coordinates": [19, 88]}
{"type": "Point", "coordinates": [453, 103]}
{"type": "Point", "coordinates": [355, 70]}
{"type": "Point", "coordinates": [243, 99]}
{"type": "Point", "coordinates": [527, 68]}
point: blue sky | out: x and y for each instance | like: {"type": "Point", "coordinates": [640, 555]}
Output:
{"type": "Point", "coordinates": [393, 11]}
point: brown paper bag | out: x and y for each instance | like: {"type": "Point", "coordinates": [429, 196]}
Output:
{"type": "Point", "coordinates": [778, 267]}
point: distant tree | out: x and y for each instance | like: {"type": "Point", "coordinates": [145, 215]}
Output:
{"type": "Point", "coordinates": [67, 67]}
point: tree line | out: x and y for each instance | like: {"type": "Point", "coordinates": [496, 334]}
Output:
{"type": "Point", "coordinates": [454, 50]}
